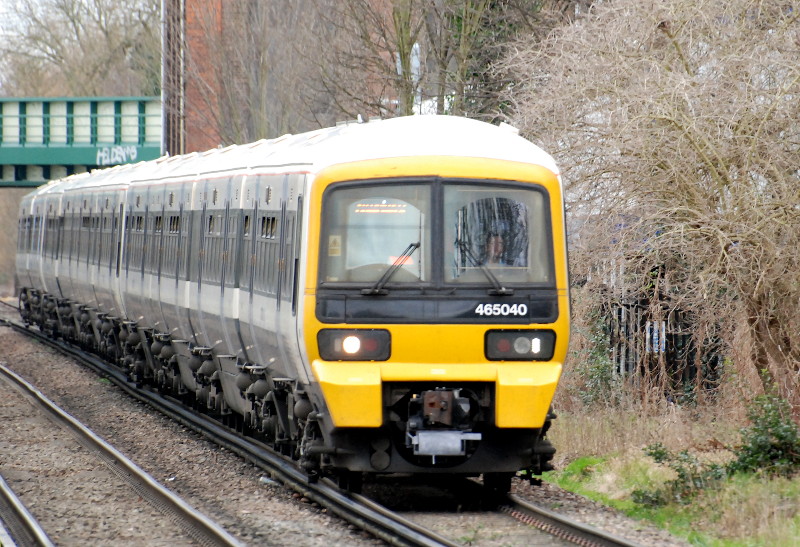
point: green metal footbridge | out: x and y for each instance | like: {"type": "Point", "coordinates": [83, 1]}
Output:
{"type": "Point", "coordinates": [48, 138]}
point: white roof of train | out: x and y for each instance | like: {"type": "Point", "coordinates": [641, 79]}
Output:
{"type": "Point", "coordinates": [316, 150]}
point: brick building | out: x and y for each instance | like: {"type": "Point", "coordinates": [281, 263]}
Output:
{"type": "Point", "coordinates": [187, 74]}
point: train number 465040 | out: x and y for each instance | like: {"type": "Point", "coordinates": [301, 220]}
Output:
{"type": "Point", "coordinates": [502, 309]}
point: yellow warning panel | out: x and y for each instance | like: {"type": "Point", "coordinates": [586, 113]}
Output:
{"type": "Point", "coordinates": [335, 245]}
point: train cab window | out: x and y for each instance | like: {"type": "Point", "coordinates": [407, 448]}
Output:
{"type": "Point", "coordinates": [368, 229]}
{"type": "Point", "coordinates": [500, 229]}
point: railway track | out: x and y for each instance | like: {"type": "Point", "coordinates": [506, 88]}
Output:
{"type": "Point", "coordinates": [109, 473]}
{"type": "Point", "coordinates": [362, 511]}
{"type": "Point", "coordinates": [17, 525]}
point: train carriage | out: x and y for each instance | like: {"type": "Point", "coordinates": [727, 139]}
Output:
{"type": "Point", "coordinates": [371, 298]}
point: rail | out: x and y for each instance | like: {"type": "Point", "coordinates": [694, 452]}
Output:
{"type": "Point", "coordinates": [23, 527]}
{"type": "Point", "coordinates": [196, 525]}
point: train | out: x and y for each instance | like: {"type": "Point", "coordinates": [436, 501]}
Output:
{"type": "Point", "coordinates": [388, 297]}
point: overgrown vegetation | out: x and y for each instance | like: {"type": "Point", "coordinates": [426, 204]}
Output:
{"type": "Point", "coordinates": [692, 476]}
{"type": "Point", "coordinates": [770, 446]}
{"type": "Point", "coordinates": [740, 490]}
{"type": "Point", "coordinates": [595, 382]}
{"type": "Point", "coordinates": [675, 124]}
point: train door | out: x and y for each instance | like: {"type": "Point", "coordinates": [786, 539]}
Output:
{"type": "Point", "coordinates": [251, 209]}
{"type": "Point", "coordinates": [107, 271]}
{"type": "Point", "coordinates": [65, 258]}
{"type": "Point", "coordinates": [234, 249]}
{"type": "Point", "coordinates": [295, 248]}
{"type": "Point", "coordinates": [102, 252]}
{"type": "Point", "coordinates": [185, 255]}
{"type": "Point", "coordinates": [170, 258]}
{"type": "Point", "coordinates": [213, 261]}
{"type": "Point", "coordinates": [118, 241]}
{"type": "Point", "coordinates": [153, 256]}
{"type": "Point", "coordinates": [35, 242]}
{"type": "Point", "coordinates": [58, 244]}
{"type": "Point", "coordinates": [132, 264]}
{"type": "Point", "coordinates": [195, 266]}
{"type": "Point", "coordinates": [50, 244]}
{"type": "Point", "coordinates": [263, 312]}
{"type": "Point", "coordinates": [23, 249]}
{"type": "Point", "coordinates": [80, 252]}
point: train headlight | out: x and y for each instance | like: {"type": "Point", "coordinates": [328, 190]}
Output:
{"type": "Point", "coordinates": [354, 344]}
{"type": "Point", "coordinates": [351, 345]}
{"type": "Point", "coordinates": [520, 345]}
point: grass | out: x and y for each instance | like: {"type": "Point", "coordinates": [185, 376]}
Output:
{"type": "Point", "coordinates": [601, 457]}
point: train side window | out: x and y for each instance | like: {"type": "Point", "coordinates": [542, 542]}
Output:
{"type": "Point", "coordinates": [29, 234]}
{"type": "Point", "coordinates": [59, 238]}
{"type": "Point", "coordinates": [48, 231]}
{"type": "Point", "coordinates": [231, 248]}
{"type": "Point", "coordinates": [246, 226]}
{"type": "Point", "coordinates": [46, 236]}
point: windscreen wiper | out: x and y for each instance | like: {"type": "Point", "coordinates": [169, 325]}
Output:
{"type": "Point", "coordinates": [377, 288]}
{"type": "Point", "coordinates": [499, 289]}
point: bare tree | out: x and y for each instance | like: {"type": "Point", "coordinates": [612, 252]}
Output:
{"type": "Point", "coordinates": [370, 63]}
{"type": "Point", "coordinates": [252, 68]}
{"type": "Point", "coordinates": [266, 68]}
{"type": "Point", "coordinates": [676, 124]}
{"type": "Point", "coordinates": [453, 32]}
{"type": "Point", "coordinates": [82, 47]}
{"type": "Point", "coordinates": [398, 57]}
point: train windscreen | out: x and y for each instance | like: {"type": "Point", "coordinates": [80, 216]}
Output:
{"type": "Point", "coordinates": [504, 229]}
{"type": "Point", "coordinates": [485, 233]}
{"type": "Point", "coordinates": [370, 229]}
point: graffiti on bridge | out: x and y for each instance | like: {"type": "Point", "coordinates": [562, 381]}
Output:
{"type": "Point", "coordinates": [115, 155]}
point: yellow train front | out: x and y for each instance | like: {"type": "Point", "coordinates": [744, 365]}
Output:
{"type": "Point", "coordinates": [435, 312]}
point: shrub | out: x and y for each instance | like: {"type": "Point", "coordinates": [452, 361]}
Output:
{"type": "Point", "coordinates": [771, 444]}
{"type": "Point", "coordinates": [692, 476]}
